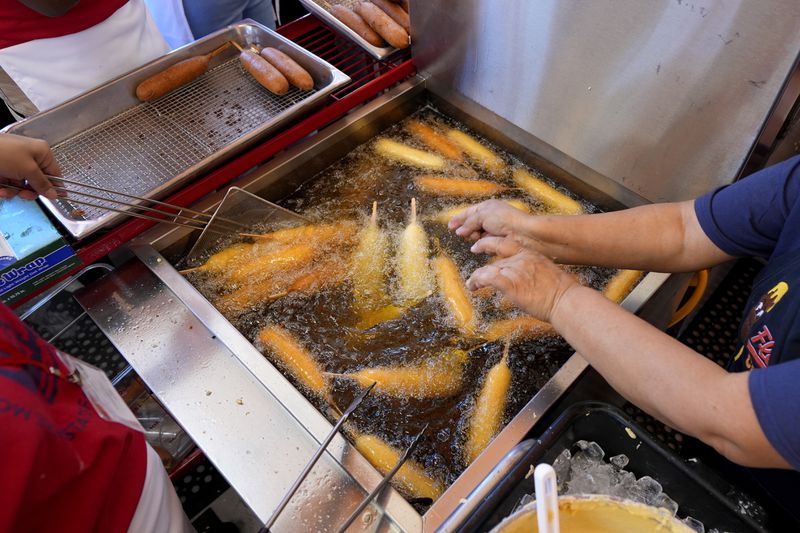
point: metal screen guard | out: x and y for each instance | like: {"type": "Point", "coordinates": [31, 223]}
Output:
{"type": "Point", "coordinates": [245, 208]}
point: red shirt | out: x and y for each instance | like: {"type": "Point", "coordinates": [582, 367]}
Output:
{"type": "Point", "coordinates": [20, 24]}
{"type": "Point", "coordinates": [62, 467]}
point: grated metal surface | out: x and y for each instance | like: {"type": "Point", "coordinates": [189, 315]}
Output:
{"type": "Point", "coordinates": [144, 147]}
{"type": "Point", "coordinates": [199, 487]}
{"type": "Point", "coordinates": [76, 334]}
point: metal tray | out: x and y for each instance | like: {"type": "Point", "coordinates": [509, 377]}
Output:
{"type": "Point", "coordinates": [317, 7]}
{"type": "Point", "coordinates": [107, 138]}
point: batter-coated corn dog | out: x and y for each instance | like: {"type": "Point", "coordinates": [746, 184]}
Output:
{"type": "Point", "coordinates": [621, 284]}
{"type": "Point", "coordinates": [443, 186]}
{"type": "Point", "coordinates": [384, 314]}
{"type": "Point", "coordinates": [224, 259]}
{"type": "Point", "coordinates": [517, 328]}
{"type": "Point", "coordinates": [411, 477]}
{"type": "Point", "coordinates": [175, 76]}
{"type": "Point", "coordinates": [478, 152]}
{"type": "Point", "coordinates": [291, 70]}
{"type": "Point", "coordinates": [355, 22]}
{"type": "Point", "coordinates": [437, 378]}
{"type": "Point", "coordinates": [552, 198]}
{"type": "Point", "coordinates": [271, 264]}
{"type": "Point", "coordinates": [369, 267]}
{"type": "Point", "coordinates": [383, 24]}
{"type": "Point", "coordinates": [406, 154]}
{"type": "Point", "coordinates": [454, 293]}
{"type": "Point", "coordinates": [489, 408]}
{"type": "Point", "coordinates": [414, 281]}
{"type": "Point", "coordinates": [295, 358]}
{"type": "Point", "coordinates": [435, 140]}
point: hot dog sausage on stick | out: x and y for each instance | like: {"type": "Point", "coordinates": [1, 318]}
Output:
{"type": "Point", "coordinates": [297, 75]}
{"type": "Point", "coordinates": [383, 24]}
{"type": "Point", "coordinates": [357, 24]}
{"type": "Point", "coordinates": [176, 76]}
{"type": "Point", "coordinates": [395, 12]}
{"type": "Point", "coordinates": [264, 73]}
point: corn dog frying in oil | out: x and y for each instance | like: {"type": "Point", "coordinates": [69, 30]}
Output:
{"type": "Point", "coordinates": [414, 281]}
{"type": "Point", "coordinates": [490, 406]}
{"type": "Point", "coordinates": [437, 378]}
{"type": "Point", "coordinates": [411, 477]}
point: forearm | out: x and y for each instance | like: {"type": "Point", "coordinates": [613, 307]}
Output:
{"type": "Point", "coordinates": [659, 237]}
{"type": "Point", "coordinates": [664, 377]}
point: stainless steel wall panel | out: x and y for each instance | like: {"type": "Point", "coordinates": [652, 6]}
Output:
{"type": "Point", "coordinates": [664, 97]}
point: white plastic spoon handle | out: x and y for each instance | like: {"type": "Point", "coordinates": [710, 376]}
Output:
{"type": "Point", "coordinates": [544, 480]}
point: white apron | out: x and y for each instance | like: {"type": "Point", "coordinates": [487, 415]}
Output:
{"type": "Point", "coordinates": [50, 71]}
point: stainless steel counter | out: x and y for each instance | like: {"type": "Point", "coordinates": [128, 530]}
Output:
{"type": "Point", "coordinates": [200, 367]}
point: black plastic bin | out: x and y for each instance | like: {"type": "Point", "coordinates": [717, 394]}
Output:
{"type": "Point", "coordinates": [701, 495]}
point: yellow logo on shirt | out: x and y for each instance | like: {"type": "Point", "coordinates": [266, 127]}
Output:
{"type": "Point", "coordinates": [775, 294]}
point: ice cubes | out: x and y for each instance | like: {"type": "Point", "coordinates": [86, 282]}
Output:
{"type": "Point", "coordinates": [662, 500]}
{"type": "Point", "coordinates": [583, 470]}
{"type": "Point", "coordinates": [694, 524]}
{"type": "Point", "coordinates": [620, 461]}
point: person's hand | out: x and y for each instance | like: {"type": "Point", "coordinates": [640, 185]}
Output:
{"type": "Point", "coordinates": [26, 160]}
{"type": "Point", "coordinates": [492, 217]}
{"type": "Point", "coordinates": [528, 279]}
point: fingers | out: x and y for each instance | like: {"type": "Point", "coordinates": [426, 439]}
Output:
{"type": "Point", "coordinates": [467, 223]}
{"type": "Point", "coordinates": [499, 246]}
{"type": "Point", "coordinates": [44, 162]}
{"type": "Point", "coordinates": [39, 183]}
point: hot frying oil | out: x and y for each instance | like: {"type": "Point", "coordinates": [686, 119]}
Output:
{"type": "Point", "coordinates": [325, 321]}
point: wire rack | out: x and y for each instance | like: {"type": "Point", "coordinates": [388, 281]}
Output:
{"type": "Point", "coordinates": [348, 57]}
{"type": "Point", "coordinates": [142, 148]}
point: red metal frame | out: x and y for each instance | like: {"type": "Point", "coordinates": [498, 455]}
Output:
{"type": "Point", "coordinates": [368, 79]}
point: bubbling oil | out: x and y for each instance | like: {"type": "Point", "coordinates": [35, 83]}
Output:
{"type": "Point", "coordinates": [324, 320]}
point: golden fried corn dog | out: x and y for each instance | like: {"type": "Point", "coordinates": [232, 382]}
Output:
{"type": "Point", "coordinates": [369, 267]}
{"type": "Point", "coordinates": [414, 281]}
{"type": "Point", "coordinates": [315, 234]}
{"type": "Point", "coordinates": [271, 264]}
{"type": "Point", "coordinates": [490, 405]}
{"type": "Point", "coordinates": [443, 186]}
{"type": "Point", "coordinates": [266, 291]}
{"type": "Point", "coordinates": [517, 328]}
{"type": "Point", "coordinates": [435, 140]}
{"type": "Point", "coordinates": [552, 198]}
{"type": "Point", "coordinates": [621, 284]}
{"type": "Point", "coordinates": [411, 477]}
{"type": "Point", "coordinates": [477, 152]}
{"type": "Point", "coordinates": [384, 314]}
{"type": "Point", "coordinates": [294, 358]}
{"type": "Point", "coordinates": [437, 378]}
{"type": "Point", "coordinates": [224, 259]}
{"type": "Point", "coordinates": [455, 295]}
{"type": "Point", "coordinates": [408, 155]}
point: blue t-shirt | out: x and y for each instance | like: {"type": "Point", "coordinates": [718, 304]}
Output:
{"type": "Point", "coordinates": [760, 216]}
